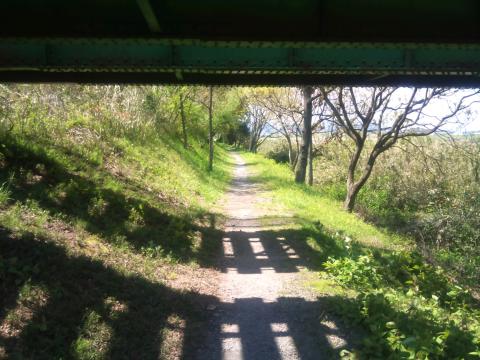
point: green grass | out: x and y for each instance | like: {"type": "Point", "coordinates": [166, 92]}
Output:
{"type": "Point", "coordinates": [4, 195]}
{"type": "Point", "coordinates": [309, 204]}
{"type": "Point", "coordinates": [94, 233]}
{"type": "Point", "coordinates": [100, 230]}
{"type": "Point", "coordinates": [374, 279]}
{"type": "Point", "coordinates": [139, 195]}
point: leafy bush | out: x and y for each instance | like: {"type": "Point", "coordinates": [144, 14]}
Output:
{"type": "Point", "coordinates": [426, 188]}
{"type": "Point", "coordinates": [277, 152]}
{"type": "Point", "coordinates": [4, 194]}
{"type": "Point", "coordinates": [336, 191]}
{"type": "Point", "coordinates": [407, 308]}
{"type": "Point", "coordinates": [360, 273]}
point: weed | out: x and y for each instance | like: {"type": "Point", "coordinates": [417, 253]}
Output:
{"type": "Point", "coordinates": [407, 308]}
{"type": "Point", "coordinates": [4, 194]}
{"type": "Point", "coordinates": [99, 222]}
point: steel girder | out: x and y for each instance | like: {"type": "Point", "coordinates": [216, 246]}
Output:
{"type": "Point", "coordinates": [236, 62]}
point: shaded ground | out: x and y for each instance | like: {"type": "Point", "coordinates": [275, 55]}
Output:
{"type": "Point", "coordinates": [60, 300]}
{"type": "Point", "coordinates": [263, 312]}
{"type": "Point", "coordinates": [54, 305]}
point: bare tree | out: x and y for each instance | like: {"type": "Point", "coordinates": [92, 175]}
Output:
{"type": "Point", "coordinates": [286, 118]}
{"type": "Point", "coordinates": [318, 120]}
{"type": "Point", "coordinates": [301, 168]}
{"type": "Point", "coordinates": [257, 121]}
{"type": "Point", "coordinates": [287, 108]}
{"type": "Point", "coordinates": [386, 115]}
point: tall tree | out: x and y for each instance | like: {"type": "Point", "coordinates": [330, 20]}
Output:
{"type": "Point", "coordinates": [210, 129]}
{"type": "Point", "coordinates": [286, 117]}
{"type": "Point", "coordinates": [384, 115]}
{"type": "Point", "coordinates": [181, 100]}
{"type": "Point", "coordinates": [257, 121]}
{"type": "Point", "coordinates": [306, 148]}
{"type": "Point", "coordinates": [301, 168]}
{"type": "Point", "coordinates": [318, 109]}
{"type": "Point", "coordinates": [310, 162]}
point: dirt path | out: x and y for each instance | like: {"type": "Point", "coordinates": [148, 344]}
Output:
{"type": "Point", "coordinates": [263, 312]}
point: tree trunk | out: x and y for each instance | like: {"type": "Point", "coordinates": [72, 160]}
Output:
{"type": "Point", "coordinates": [252, 147]}
{"type": "Point", "coordinates": [296, 154]}
{"type": "Point", "coordinates": [184, 123]}
{"type": "Point", "coordinates": [210, 130]}
{"type": "Point", "coordinates": [310, 163]}
{"type": "Point", "coordinates": [301, 168]}
{"type": "Point", "coordinates": [353, 188]}
{"type": "Point", "coordinates": [352, 193]}
{"type": "Point", "coordinates": [290, 153]}
{"type": "Point", "coordinates": [295, 161]}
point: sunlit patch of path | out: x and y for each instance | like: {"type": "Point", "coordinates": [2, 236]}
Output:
{"type": "Point", "coordinates": [257, 316]}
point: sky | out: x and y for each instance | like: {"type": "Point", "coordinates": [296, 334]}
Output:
{"type": "Point", "coordinates": [463, 122]}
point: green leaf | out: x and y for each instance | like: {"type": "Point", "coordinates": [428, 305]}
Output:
{"type": "Point", "coordinates": [390, 325]}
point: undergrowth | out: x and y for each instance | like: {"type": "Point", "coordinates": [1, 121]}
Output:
{"type": "Point", "coordinates": [149, 196]}
{"type": "Point", "coordinates": [95, 223]}
{"type": "Point", "coordinates": [427, 188]}
{"type": "Point", "coordinates": [406, 307]}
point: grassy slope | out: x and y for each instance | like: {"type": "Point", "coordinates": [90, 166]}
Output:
{"type": "Point", "coordinates": [91, 235]}
{"type": "Point", "coordinates": [309, 205]}
{"type": "Point", "coordinates": [406, 307]}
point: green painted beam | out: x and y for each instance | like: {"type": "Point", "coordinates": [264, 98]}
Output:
{"type": "Point", "coordinates": [220, 59]}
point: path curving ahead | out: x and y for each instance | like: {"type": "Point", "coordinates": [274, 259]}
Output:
{"type": "Point", "coordinates": [264, 312]}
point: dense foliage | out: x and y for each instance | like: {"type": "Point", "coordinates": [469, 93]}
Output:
{"type": "Point", "coordinates": [408, 309]}
{"type": "Point", "coordinates": [427, 188]}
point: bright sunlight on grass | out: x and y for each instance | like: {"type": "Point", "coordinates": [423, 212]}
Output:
{"type": "Point", "coordinates": [310, 205]}
{"type": "Point", "coordinates": [373, 279]}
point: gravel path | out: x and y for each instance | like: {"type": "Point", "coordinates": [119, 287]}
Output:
{"type": "Point", "coordinates": [263, 312]}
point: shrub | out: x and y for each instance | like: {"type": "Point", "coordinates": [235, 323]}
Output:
{"type": "Point", "coordinates": [427, 188]}
{"type": "Point", "coordinates": [277, 151]}
{"type": "Point", "coordinates": [408, 309]}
